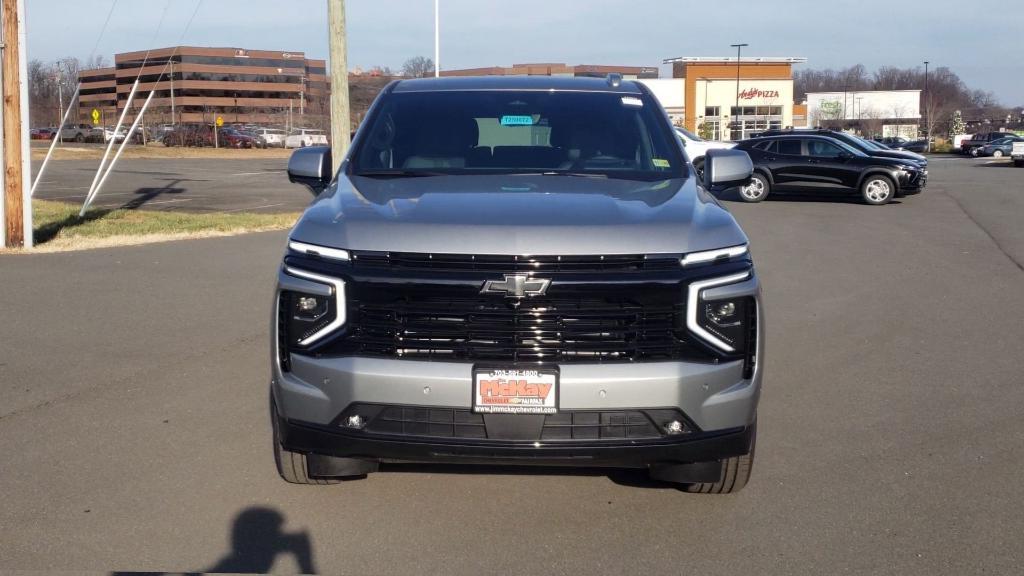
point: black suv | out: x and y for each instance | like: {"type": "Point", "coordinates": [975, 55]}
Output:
{"type": "Point", "coordinates": [865, 146]}
{"type": "Point", "coordinates": [812, 162]}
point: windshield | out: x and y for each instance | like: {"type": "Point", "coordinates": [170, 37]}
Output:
{"type": "Point", "coordinates": [599, 134]}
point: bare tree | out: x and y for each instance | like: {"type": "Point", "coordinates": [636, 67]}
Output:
{"type": "Point", "coordinates": [418, 67]}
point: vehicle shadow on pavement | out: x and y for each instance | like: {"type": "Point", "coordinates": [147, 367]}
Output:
{"type": "Point", "coordinates": [633, 478]}
{"type": "Point", "coordinates": [733, 196]}
{"type": "Point", "coordinates": [257, 540]}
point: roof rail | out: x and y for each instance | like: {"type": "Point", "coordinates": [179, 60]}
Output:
{"type": "Point", "coordinates": [614, 79]}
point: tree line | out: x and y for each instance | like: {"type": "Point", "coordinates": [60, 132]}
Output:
{"type": "Point", "coordinates": [51, 85]}
{"type": "Point", "coordinates": [946, 93]}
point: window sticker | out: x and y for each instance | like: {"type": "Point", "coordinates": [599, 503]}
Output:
{"type": "Point", "coordinates": [660, 162]}
{"type": "Point", "coordinates": [517, 120]}
{"type": "Point", "coordinates": [631, 101]}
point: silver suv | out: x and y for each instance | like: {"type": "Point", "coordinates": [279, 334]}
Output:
{"type": "Point", "coordinates": [517, 270]}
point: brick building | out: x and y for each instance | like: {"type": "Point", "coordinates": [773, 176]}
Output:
{"type": "Point", "coordinates": [200, 84]}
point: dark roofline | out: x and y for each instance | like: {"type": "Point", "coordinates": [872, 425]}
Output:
{"type": "Point", "coordinates": [452, 83]}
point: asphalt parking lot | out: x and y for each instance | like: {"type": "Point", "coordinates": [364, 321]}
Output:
{"type": "Point", "coordinates": [134, 429]}
{"type": "Point", "coordinates": [190, 184]}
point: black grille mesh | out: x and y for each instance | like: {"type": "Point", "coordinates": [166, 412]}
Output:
{"type": "Point", "coordinates": [584, 329]}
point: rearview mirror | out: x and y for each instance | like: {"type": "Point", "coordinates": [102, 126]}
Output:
{"type": "Point", "coordinates": [311, 167]}
{"type": "Point", "coordinates": [725, 168]}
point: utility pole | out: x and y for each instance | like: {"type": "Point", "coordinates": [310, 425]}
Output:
{"type": "Point", "coordinates": [736, 114]}
{"type": "Point", "coordinates": [17, 210]}
{"type": "Point", "coordinates": [341, 123]}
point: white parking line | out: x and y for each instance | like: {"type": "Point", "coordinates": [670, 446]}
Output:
{"type": "Point", "coordinates": [254, 208]}
{"type": "Point", "coordinates": [147, 203]}
{"type": "Point", "coordinates": [257, 173]}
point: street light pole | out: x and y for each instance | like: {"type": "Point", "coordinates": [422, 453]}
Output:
{"type": "Point", "coordinates": [437, 38]}
{"type": "Point", "coordinates": [927, 110]}
{"type": "Point", "coordinates": [171, 64]}
{"type": "Point", "coordinates": [736, 114]}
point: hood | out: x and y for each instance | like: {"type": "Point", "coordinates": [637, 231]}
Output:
{"type": "Point", "coordinates": [517, 215]}
{"type": "Point", "coordinates": [899, 155]}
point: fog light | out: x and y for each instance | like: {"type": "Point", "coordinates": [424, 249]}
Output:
{"type": "Point", "coordinates": [727, 309]}
{"type": "Point", "coordinates": [356, 422]}
{"type": "Point", "coordinates": [674, 427]}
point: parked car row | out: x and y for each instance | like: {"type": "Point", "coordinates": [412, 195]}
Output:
{"type": "Point", "coordinates": [901, 143]}
{"type": "Point", "coordinates": [828, 161]}
{"type": "Point", "coordinates": [975, 145]}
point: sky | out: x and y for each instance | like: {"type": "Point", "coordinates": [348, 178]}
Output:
{"type": "Point", "coordinates": [476, 33]}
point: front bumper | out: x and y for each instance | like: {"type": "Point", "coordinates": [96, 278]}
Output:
{"type": "Point", "coordinates": [911, 182]}
{"type": "Point", "coordinates": [313, 439]}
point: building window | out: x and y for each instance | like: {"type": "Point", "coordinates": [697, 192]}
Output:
{"type": "Point", "coordinates": [714, 129]}
{"type": "Point", "coordinates": [712, 111]}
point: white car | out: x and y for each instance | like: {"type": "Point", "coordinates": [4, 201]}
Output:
{"type": "Point", "coordinates": [697, 147]}
{"type": "Point", "coordinates": [271, 136]}
{"type": "Point", "coordinates": [303, 137]}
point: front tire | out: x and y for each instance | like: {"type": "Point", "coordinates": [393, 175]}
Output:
{"type": "Point", "coordinates": [292, 466]}
{"type": "Point", "coordinates": [757, 190]}
{"type": "Point", "coordinates": [735, 473]}
{"type": "Point", "coordinates": [877, 190]}
{"type": "Point", "coordinates": [79, 138]}
{"type": "Point", "coordinates": [975, 152]}
{"type": "Point", "coordinates": [997, 154]}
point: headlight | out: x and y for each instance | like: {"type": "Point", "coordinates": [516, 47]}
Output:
{"type": "Point", "coordinates": [723, 323]}
{"type": "Point", "coordinates": [318, 251]}
{"type": "Point", "coordinates": [307, 317]}
{"type": "Point", "coordinates": [713, 255]}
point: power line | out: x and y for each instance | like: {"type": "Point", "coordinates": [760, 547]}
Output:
{"type": "Point", "coordinates": [103, 29]}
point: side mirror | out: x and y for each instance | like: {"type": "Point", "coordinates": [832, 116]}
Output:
{"type": "Point", "coordinates": [843, 155]}
{"type": "Point", "coordinates": [311, 167]}
{"type": "Point", "coordinates": [726, 168]}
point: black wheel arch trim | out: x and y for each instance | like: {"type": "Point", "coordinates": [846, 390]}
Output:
{"type": "Point", "coordinates": [879, 172]}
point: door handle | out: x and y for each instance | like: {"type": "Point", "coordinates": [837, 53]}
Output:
{"type": "Point", "coordinates": [770, 158]}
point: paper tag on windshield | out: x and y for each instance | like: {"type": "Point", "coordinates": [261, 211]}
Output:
{"type": "Point", "coordinates": [631, 101]}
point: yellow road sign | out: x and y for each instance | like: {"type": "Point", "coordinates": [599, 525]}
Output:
{"type": "Point", "coordinates": [220, 121]}
{"type": "Point", "coordinates": [95, 116]}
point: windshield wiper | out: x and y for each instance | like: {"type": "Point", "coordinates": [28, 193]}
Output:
{"type": "Point", "coordinates": [560, 173]}
{"type": "Point", "coordinates": [398, 173]}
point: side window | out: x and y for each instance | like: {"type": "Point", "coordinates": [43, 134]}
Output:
{"type": "Point", "coordinates": [822, 149]}
{"type": "Point", "coordinates": [789, 146]}
{"type": "Point", "coordinates": [766, 146]}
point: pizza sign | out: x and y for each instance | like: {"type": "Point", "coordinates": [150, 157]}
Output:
{"type": "Point", "coordinates": [751, 93]}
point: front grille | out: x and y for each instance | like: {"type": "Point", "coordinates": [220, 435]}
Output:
{"type": "Point", "coordinates": [497, 263]}
{"type": "Point", "coordinates": [411, 421]}
{"type": "Point", "coordinates": [541, 329]}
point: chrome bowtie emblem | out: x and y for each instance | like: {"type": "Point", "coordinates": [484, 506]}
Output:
{"type": "Point", "coordinates": [516, 286]}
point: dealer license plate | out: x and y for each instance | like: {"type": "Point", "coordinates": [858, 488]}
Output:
{"type": "Point", "coordinates": [515, 391]}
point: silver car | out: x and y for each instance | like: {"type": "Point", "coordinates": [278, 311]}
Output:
{"type": "Point", "coordinates": [517, 270]}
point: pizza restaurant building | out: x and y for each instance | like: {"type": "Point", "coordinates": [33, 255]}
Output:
{"type": "Point", "coordinates": [710, 91]}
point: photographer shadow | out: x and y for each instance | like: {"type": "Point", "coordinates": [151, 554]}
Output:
{"type": "Point", "coordinates": [257, 541]}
